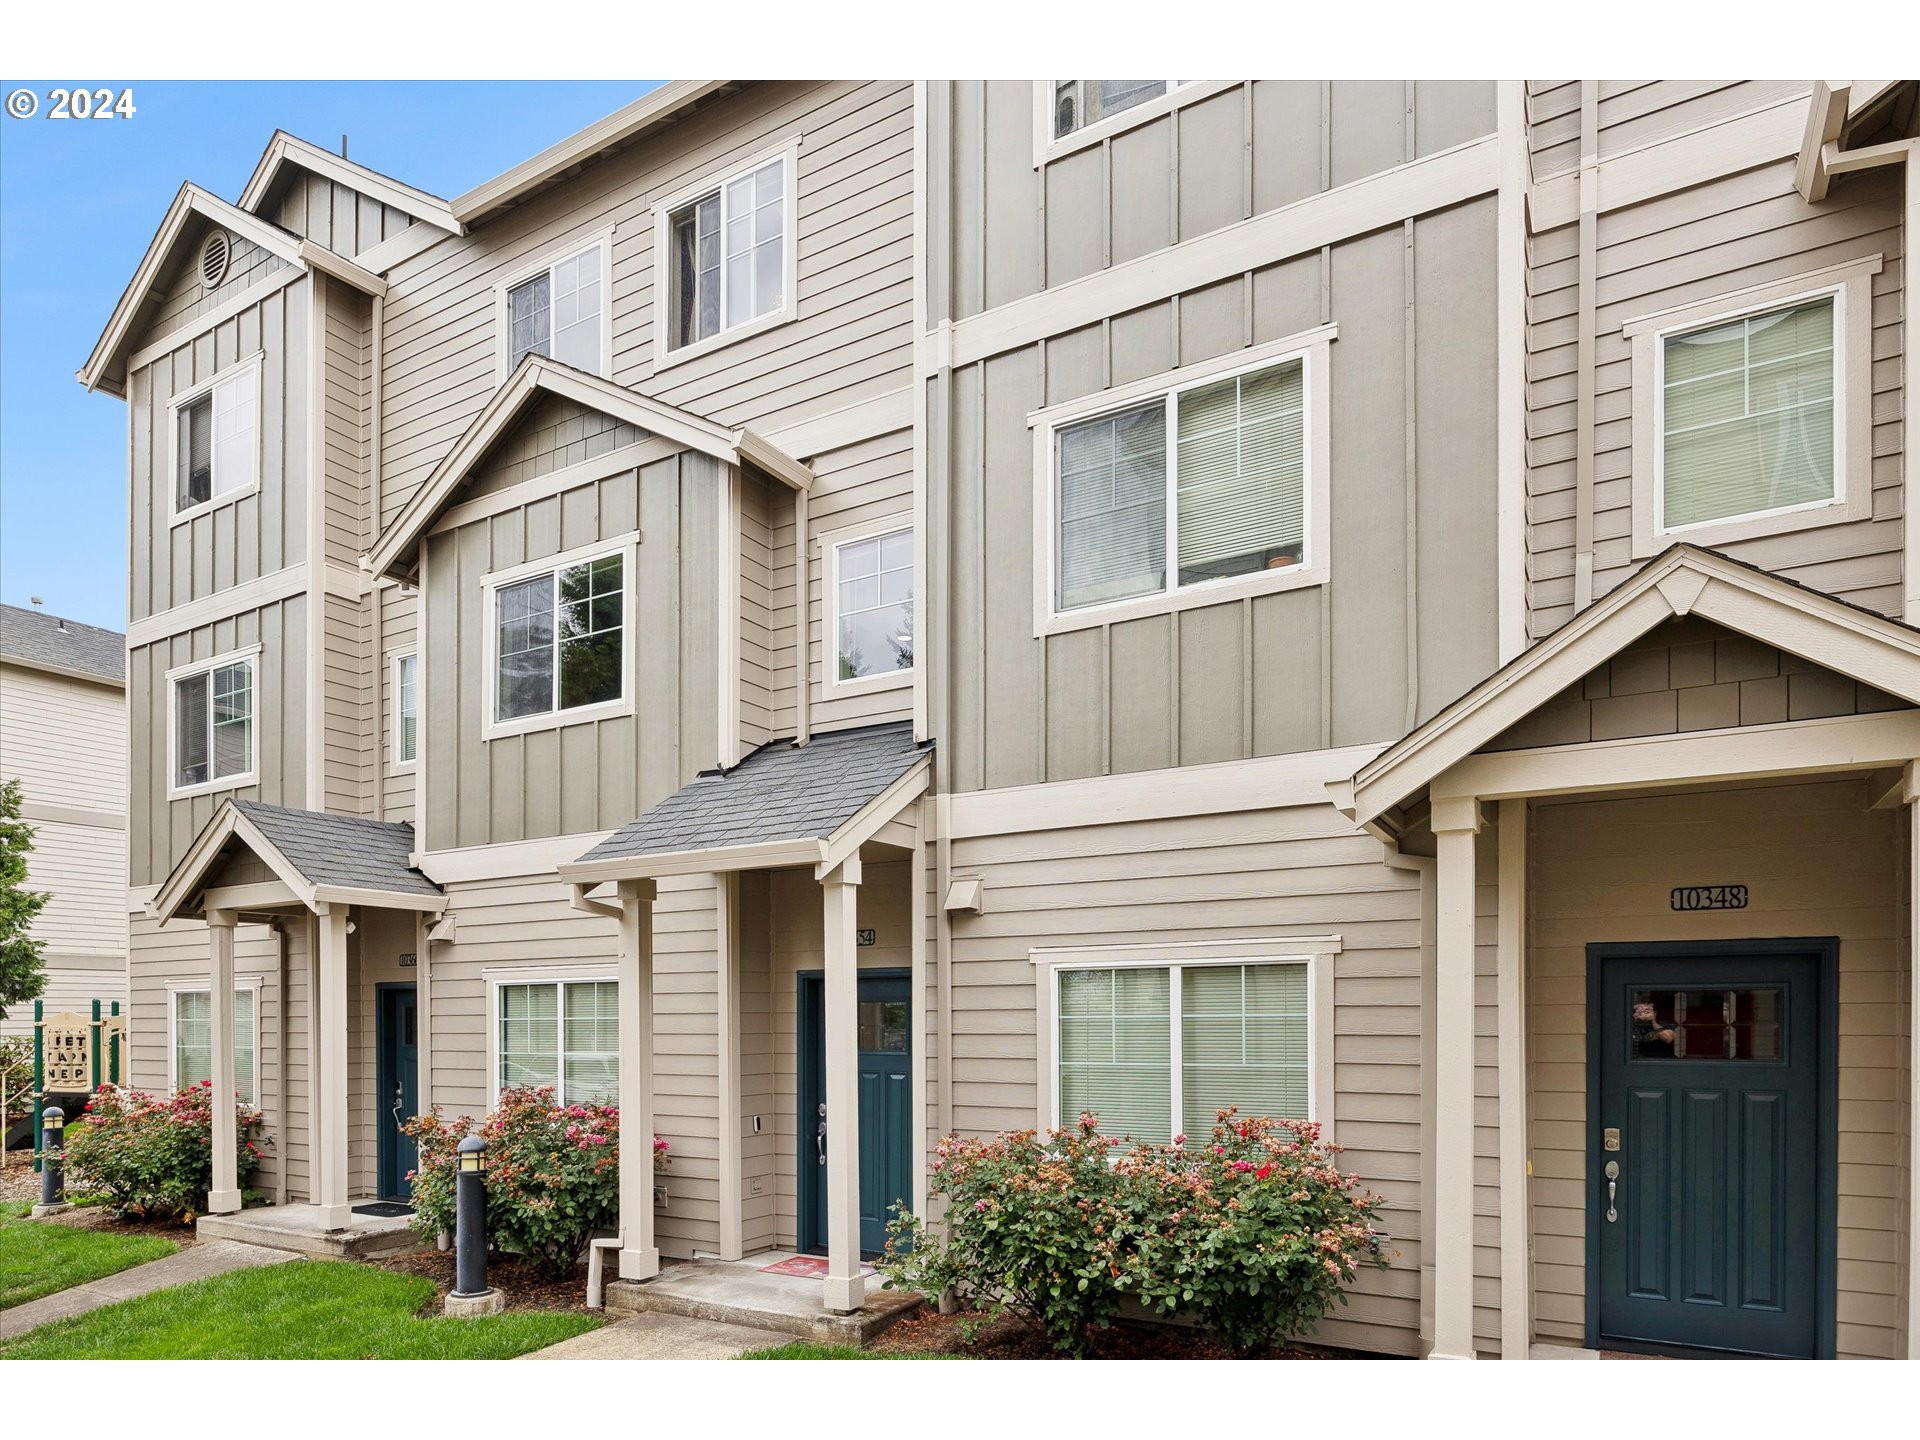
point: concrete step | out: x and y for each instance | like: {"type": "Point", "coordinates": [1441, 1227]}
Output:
{"type": "Point", "coordinates": [739, 1295]}
{"type": "Point", "coordinates": [297, 1229]}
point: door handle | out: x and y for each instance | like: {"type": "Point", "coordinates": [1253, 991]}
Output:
{"type": "Point", "coordinates": [1613, 1186]}
{"type": "Point", "coordinates": [399, 1101]}
{"type": "Point", "coordinates": [820, 1142]}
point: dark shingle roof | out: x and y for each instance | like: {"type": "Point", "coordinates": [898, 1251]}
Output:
{"type": "Point", "coordinates": [779, 792]}
{"type": "Point", "coordinates": [341, 850]}
{"type": "Point", "coordinates": [43, 639]}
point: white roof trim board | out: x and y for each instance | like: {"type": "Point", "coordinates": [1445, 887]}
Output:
{"type": "Point", "coordinates": [537, 375]}
{"type": "Point", "coordinates": [1683, 580]}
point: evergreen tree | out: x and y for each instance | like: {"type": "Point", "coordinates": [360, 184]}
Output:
{"type": "Point", "coordinates": [22, 975]}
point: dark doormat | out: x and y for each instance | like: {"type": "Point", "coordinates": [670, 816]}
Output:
{"type": "Point", "coordinates": [383, 1209]}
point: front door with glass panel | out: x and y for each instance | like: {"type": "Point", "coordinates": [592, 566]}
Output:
{"type": "Point", "coordinates": [885, 1080]}
{"type": "Point", "coordinates": [1706, 1164]}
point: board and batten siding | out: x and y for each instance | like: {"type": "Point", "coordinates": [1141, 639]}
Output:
{"type": "Point", "coordinates": [399, 633]}
{"type": "Point", "coordinates": [1818, 862]}
{"type": "Point", "coordinates": [332, 214]}
{"type": "Point", "coordinates": [591, 775]}
{"type": "Point", "coordinates": [1690, 245]}
{"type": "Point", "coordinates": [1404, 623]}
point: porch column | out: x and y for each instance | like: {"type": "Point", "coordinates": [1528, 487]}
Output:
{"type": "Point", "coordinates": [1516, 1221]}
{"type": "Point", "coordinates": [330, 1093]}
{"type": "Point", "coordinates": [1456, 821]}
{"type": "Point", "coordinates": [840, 890]}
{"type": "Point", "coordinates": [1913, 1030]}
{"type": "Point", "coordinates": [224, 1197]}
{"type": "Point", "coordinates": [639, 1256]}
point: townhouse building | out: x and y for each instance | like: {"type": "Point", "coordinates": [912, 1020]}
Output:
{"type": "Point", "coordinates": [837, 613]}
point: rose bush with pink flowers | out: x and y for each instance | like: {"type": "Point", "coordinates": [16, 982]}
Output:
{"type": "Point", "coordinates": [1252, 1234]}
{"type": "Point", "coordinates": [152, 1155]}
{"type": "Point", "coordinates": [553, 1174]}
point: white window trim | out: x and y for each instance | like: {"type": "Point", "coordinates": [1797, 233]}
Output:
{"type": "Point", "coordinates": [395, 765]}
{"type": "Point", "coordinates": [662, 210]}
{"type": "Point", "coordinates": [528, 975]}
{"type": "Point", "coordinates": [188, 397]}
{"type": "Point", "coordinates": [1046, 148]}
{"type": "Point", "coordinates": [628, 547]}
{"type": "Point", "coordinates": [250, 655]}
{"type": "Point", "coordinates": [1851, 288]}
{"type": "Point", "coordinates": [1316, 952]}
{"type": "Point", "coordinates": [1314, 349]}
{"type": "Point", "coordinates": [830, 542]}
{"type": "Point", "coordinates": [177, 988]}
{"type": "Point", "coordinates": [550, 257]}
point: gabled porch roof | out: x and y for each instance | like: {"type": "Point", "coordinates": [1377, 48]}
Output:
{"type": "Point", "coordinates": [785, 804]}
{"type": "Point", "coordinates": [1683, 580]}
{"type": "Point", "coordinates": [536, 376]}
{"type": "Point", "coordinates": [317, 858]}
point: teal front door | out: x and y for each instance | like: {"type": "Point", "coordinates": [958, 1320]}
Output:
{"type": "Point", "coordinates": [885, 1077]}
{"type": "Point", "coordinates": [397, 1080]}
{"type": "Point", "coordinates": [1710, 1222]}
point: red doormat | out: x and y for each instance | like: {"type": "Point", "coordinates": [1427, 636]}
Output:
{"type": "Point", "coordinates": [807, 1267]}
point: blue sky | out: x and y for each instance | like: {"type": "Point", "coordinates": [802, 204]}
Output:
{"type": "Point", "coordinates": [79, 201]}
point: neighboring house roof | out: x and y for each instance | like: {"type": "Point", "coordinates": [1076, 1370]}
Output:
{"type": "Point", "coordinates": [47, 642]}
{"type": "Point", "coordinates": [285, 150]}
{"type": "Point", "coordinates": [321, 857]}
{"type": "Point", "coordinates": [784, 803]}
{"type": "Point", "coordinates": [1681, 580]}
{"type": "Point", "coordinates": [103, 368]}
{"type": "Point", "coordinates": [537, 375]}
{"type": "Point", "coordinates": [651, 111]}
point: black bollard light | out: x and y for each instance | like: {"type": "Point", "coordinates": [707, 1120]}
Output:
{"type": "Point", "coordinates": [470, 1218]}
{"type": "Point", "coordinates": [53, 1181]}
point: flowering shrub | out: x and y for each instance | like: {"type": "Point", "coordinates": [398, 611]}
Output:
{"type": "Point", "coordinates": [152, 1156]}
{"type": "Point", "coordinates": [1252, 1235]}
{"type": "Point", "coordinates": [553, 1174]}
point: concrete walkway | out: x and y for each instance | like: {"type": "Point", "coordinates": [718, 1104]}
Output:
{"type": "Point", "coordinates": [209, 1257]}
{"type": "Point", "coordinates": [654, 1336]}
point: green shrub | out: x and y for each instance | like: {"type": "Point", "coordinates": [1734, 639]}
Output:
{"type": "Point", "coordinates": [152, 1156]}
{"type": "Point", "coordinates": [553, 1174]}
{"type": "Point", "coordinates": [1252, 1235]}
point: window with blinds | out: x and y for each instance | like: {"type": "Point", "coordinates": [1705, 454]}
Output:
{"type": "Point", "coordinates": [193, 1040]}
{"type": "Point", "coordinates": [1747, 415]}
{"type": "Point", "coordinates": [1241, 1033]}
{"type": "Point", "coordinates": [564, 1034]}
{"type": "Point", "coordinates": [1214, 474]}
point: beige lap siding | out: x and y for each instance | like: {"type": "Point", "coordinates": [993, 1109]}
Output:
{"type": "Point", "coordinates": [1818, 862]}
{"type": "Point", "coordinates": [1303, 871]}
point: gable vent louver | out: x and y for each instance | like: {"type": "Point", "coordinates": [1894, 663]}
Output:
{"type": "Point", "coordinates": [214, 256]}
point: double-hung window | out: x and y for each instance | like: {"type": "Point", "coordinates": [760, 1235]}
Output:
{"type": "Point", "coordinates": [1193, 485]}
{"type": "Point", "coordinates": [1156, 1051]}
{"type": "Point", "coordinates": [728, 255]}
{"type": "Point", "coordinates": [560, 311]}
{"type": "Point", "coordinates": [406, 708]}
{"type": "Point", "coordinates": [560, 638]}
{"type": "Point", "coordinates": [216, 445]}
{"type": "Point", "coordinates": [872, 598]}
{"type": "Point", "coordinates": [193, 1039]}
{"type": "Point", "coordinates": [563, 1033]}
{"type": "Point", "coordinates": [1080, 103]}
{"type": "Point", "coordinates": [213, 730]}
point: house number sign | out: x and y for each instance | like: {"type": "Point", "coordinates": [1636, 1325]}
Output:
{"type": "Point", "coordinates": [866, 937]}
{"type": "Point", "coordinates": [1709, 897]}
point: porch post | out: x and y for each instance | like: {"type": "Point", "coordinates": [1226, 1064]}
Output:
{"type": "Point", "coordinates": [1456, 822]}
{"type": "Point", "coordinates": [1516, 1270]}
{"type": "Point", "coordinates": [224, 1197]}
{"type": "Point", "coordinates": [1913, 1036]}
{"type": "Point", "coordinates": [639, 1257]}
{"type": "Point", "coordinates": [840, 890]}
{"type": "Point", "coordinates": [330, 1094]}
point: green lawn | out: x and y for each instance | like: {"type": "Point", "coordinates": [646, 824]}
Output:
{"type": "Point", "coordinates": [38, 1257]}
{"type": "Point", "coordinates": [807, 1350]}
{"type": "Point", "coordinates": [302, 1310]}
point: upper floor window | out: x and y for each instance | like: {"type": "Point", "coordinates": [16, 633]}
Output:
{"type": "Point", "coordinates": [728, 252]}
{"type": "Point", "coordinates": [406, 709]}
{"type": "Point", "coordinates": [559, 311]}
{"type": "Point", "coordinates": [1080, 103]}
{"type": "Point", "coordinates": [213, 723]}
{"type": "Point", "coordinates": [559, 636]}
{"type": "Point", "coordinates": [872, 606]}
{"type": "Point", "coordinates": [216, 440]}
{"type": "Point", "coordinates": [1753, 412]}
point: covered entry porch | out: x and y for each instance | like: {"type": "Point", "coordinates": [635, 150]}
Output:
{"type": "Point", "coordinates": [354, 918]}
{"type": "Point", "coordinates": [793, 838]}
{"type": "Point", "coordinates": [1669, 1041]}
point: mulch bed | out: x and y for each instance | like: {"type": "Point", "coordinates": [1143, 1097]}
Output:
{"type": "Point", "coordinates": [1010, 1338]}
{"type": "Point", "coordinates": [526, 1288]}
{"type": "Point", "coordinates": [98, 1217]}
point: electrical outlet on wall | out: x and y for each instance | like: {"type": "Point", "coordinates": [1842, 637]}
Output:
{"type": "Point", "coordinates": [756, 1185]}
{"type": "Point", "coordinates": [660, 1196]}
